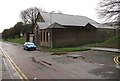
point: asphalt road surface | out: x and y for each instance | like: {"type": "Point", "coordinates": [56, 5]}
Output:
{"type": "Point", "coordinates": [48, 65]}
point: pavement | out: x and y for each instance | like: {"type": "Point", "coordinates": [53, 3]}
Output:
{"type": "Point", "coordinates": [104, 49]}
{"type": "Point", "coordinates": [92, 48]}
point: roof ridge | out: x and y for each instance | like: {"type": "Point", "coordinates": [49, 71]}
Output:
{"type": "Point", "coordinates": [64, 14]}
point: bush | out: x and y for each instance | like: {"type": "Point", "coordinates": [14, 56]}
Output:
{"type": "Point", "coordinates": [17, 40]}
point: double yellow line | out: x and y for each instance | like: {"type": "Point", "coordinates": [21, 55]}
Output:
{"type": "Point", "coordinates": [116, 60]}
{"type": "Point", "coordinates": [21, 75]}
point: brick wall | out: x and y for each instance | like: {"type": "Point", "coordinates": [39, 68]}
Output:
{"type": "Point", "coordinates": [72, 36]}
{"type": "Point", "coordinates": [104, 34]}
{"type": "Point", "coordinates": [62, 37]}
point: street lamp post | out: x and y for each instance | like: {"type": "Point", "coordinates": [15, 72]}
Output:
{"type": "Point", "coordinates": [51, 17]}
{"type": "Point", "coordinates": [51, 29]}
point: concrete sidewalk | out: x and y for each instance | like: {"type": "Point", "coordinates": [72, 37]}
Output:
{"type": "Point", "coordinates": [92, 48]}
{"type": "Point", "coordinates": [104, 49]}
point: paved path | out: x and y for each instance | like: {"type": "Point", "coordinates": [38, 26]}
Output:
{"type": "Point", "coordinates": [105, 49]}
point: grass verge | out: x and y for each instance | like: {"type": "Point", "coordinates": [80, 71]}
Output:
{"type": "Point", "coordinates": [112, 42]}
{"type": "Point", "coordinates": [17, 40]}
{"type": "Point", "coordinates": [66, 49]}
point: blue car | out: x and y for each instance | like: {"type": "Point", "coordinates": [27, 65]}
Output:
{"type": "Point", "coordinates": [29, 46]}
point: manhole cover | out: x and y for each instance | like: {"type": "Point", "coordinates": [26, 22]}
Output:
{"type": "Point", "coordinates": [64, 60]}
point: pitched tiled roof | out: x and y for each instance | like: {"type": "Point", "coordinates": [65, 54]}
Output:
{"type": "Point", "coordinates": [66, 20]}
{"type": "Point", "coordinates": [43, 25]}
{"type": "Point", "coordinates": [101, 26]}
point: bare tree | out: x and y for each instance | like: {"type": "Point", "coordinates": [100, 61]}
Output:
{"type": "Point", "coordinates": [109, 10]}
{"type": "Point", "coordinates": [29, 16]}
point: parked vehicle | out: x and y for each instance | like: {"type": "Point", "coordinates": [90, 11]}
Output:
{"type": "Point", "coordinates": [29, 46]}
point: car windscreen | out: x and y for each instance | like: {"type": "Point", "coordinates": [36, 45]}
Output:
{"type": "Point", "coordinates": [30, 43]}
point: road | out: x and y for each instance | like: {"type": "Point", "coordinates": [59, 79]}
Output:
{"type": "Point", "coordinates": [90, 64]}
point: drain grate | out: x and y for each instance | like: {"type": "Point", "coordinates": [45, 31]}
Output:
{"type": "Point", "coordinates": [76, 56]}
{"type": "Point", "coordinates": [59, 53]}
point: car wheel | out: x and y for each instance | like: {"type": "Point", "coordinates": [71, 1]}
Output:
{"type": "Point", "coordinates": [27, 49]}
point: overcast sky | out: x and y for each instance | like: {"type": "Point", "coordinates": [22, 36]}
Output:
{"type": "Point", "coordinates": [10, 9]}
